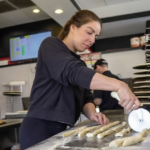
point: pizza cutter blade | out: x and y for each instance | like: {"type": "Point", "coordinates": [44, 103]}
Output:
{"type": "Point", "coordinates": [138, 119]}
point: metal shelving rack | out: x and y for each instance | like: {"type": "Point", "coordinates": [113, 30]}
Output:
{"type": "Point", "coordinates": [13, 92]}
{"type": "Point", "coordinates": [142, 83]}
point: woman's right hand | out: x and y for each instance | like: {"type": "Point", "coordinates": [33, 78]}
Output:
{"type": "Point", "coordinates": [127, 98]}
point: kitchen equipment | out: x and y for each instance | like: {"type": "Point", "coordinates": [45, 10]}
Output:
{"type": "Point", "coordinates": [138, 119]}
{"type": "Point", "coordinates": [135, 42]}
{"type": "Point", "coordinates": [143, 40]}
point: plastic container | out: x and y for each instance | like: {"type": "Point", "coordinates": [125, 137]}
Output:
{"type": "Point", "coordinates": [135, 42]}
{"type": "Point", "coordinates": [143, 40]}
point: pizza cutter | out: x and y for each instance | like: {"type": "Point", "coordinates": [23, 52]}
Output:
{"type": "Point", "coordinates": [138, 119]}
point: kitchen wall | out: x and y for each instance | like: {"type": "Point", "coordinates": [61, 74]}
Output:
{"type": "Point", "coordinates": [24, 72]}
{"type": "Point", "coordinates": [122, 62]}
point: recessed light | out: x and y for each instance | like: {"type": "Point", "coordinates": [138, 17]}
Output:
{"type": "Point", "coordinates": [58, 11]}
{"type": "Point", "coordinates": [36, 11]}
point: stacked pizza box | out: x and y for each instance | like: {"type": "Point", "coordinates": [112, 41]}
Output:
{"type": "Point", "coordinates": [142, 76]}
{"type": "Point", "coordinates": [13, 97]}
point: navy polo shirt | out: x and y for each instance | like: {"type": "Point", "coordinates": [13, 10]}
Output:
{"type": "Point", "coordinates": [108, 102]}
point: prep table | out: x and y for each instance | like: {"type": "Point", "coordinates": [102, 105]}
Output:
{"type": "Point", "coordinates": [9, 133]}
{"type": "Point", "coordinates": [73, 142]}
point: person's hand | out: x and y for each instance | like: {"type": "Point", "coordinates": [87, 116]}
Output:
{"type": "Point", "coordinates": [100, 118]}
{"type": "Point", "coordinates": [127, 98]}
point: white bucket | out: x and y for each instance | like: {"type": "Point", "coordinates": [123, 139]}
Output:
{"type": "Point", "coordinates": [143, 40]}
{"type": "Point", "coordinates": [135, 42]}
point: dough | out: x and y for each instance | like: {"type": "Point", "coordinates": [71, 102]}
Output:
{"type": "Point", "coordinates": [132, 140]}
{"type": "Point", "coordinates": [116, 143]}
{"type": "Point", "coordinates": [119, 126]}
{"type": "Point", "coordinates": [144, 133]}
{"type": "Point", "coordinates": [73, 131]}
{"type": "Point", "coordinates": [129, 140]}
{"type": "Point", "coordinates": [137, 138]}
{"type": "Point", "coordinates": [101, 135]}
{"type": "Point", "coordinates": [110, 125]}
{"type": "Point", "coordinates": [92, 134]}
{"type": "Point", "coordinates": [82, 133]}
{"type": "Point", "coordinates": [123, 132]}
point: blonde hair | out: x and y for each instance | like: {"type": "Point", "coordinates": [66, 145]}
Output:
{"type": "Point", "coordinates": [79, 18]}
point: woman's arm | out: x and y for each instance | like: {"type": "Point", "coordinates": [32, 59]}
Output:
{"type": "Point", "coordinates": [128, 99]}
{"type": "Point", "coordinates": [101, 82]}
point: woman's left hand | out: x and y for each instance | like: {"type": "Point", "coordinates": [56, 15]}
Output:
{"type": "Point", "coordinates": [100, 118]}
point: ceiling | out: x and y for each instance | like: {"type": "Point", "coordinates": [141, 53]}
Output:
{"type": "Point", "coordinates": [16, 12]}
{"type": "Point", "coordinates": [120, 17]}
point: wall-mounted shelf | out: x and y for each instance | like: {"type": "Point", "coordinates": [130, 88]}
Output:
{"type": "Point", "coordinates": [120, 50]}
{"type": "Point", "coordinates": [19, 63]}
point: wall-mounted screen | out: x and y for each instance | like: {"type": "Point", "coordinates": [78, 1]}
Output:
{"type": "Point", "coordinates": [26, 47]}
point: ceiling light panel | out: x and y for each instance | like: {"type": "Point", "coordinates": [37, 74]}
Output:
{"type": "Point", "coordinates": [22, 3]}
{"type": "Point", "coordinates": [89, 4]}
{"type": "Point", "coordinates": [58, 11]}
{"type": "Point", "coordinates": [114, 2]}
{"type": "Point", "coordinates": [36, 17]}
{"type": "Point", "coordinates": [5, 22]}
{"type": "Point", "coordinates": [4, 7]}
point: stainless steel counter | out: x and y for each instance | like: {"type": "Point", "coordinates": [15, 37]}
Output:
{"type": "Point", "coordinates": [10, 122]}
{"type": "Point", "coordinates": [75, 143]}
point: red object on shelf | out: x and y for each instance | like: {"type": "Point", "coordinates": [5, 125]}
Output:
{"type": "Point", "coordinates": [6, 61]}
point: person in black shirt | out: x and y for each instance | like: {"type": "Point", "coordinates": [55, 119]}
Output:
{"type": "Point", "coordinates": [103, 99]}
{"type": "Point", "coordinates": [61, 88]}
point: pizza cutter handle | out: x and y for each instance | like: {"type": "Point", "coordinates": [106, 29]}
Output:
{"type": "Point", "coordinates": [115, 95]}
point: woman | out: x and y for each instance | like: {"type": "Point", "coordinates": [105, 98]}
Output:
{"type": "Point", "coordinates": [61, 86]}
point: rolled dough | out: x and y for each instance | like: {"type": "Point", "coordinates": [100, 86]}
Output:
{"type": "Point", "coordinates": [101, 135]}
{"type": "Point", "coordinates": [119, 126]}
{"type": "Point", "coordinates": [93, 134]}
{"type": "Point", "coordinates": [68, 133]}
{"type": "Point", "coordinates": [116, 143]}
{"type": "Point", "coordinates": [123, 132]}
{"type": "Point", "coordinates": [143, 133]}
{"type": "Point", "coordinates": [132, 140]}
{"type": "Point", "coordinates": [82, 133]}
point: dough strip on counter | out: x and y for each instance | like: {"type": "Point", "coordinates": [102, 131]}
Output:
{"type": "Point", "coordinates": [110, 125]}
{"type": "Point", "coordinates": [116, 143]}
{"type": "Point", "coordinates": [137, 138]}
{"type": "Point", "coordinates": [68, 133]}
{"type": "Point", "coordinates": [101, 135]}
{"type": "Point", "coordinates": [132, 140]}
{"type": "Point", "coordinates": [144, 133]}
{"type": "Point", "coordinates": [122, 132]}
{"type": "Point", "coordinates": [93, 134]}
{"type": "Point", "coordinates": [111, 130]}
{"type": "Point", "coordinates": [82, 133]}
{"type": "Point", "coordinates": [129, 140]}
{"type": "Point", "coordinates": [119, 126]}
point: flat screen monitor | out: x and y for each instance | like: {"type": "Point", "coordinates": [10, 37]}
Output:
{"type": "Point", "coordinates": [26, 47]}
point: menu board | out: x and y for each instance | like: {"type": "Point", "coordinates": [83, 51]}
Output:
{"type": "Point", "coordinates": [91, 58]}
